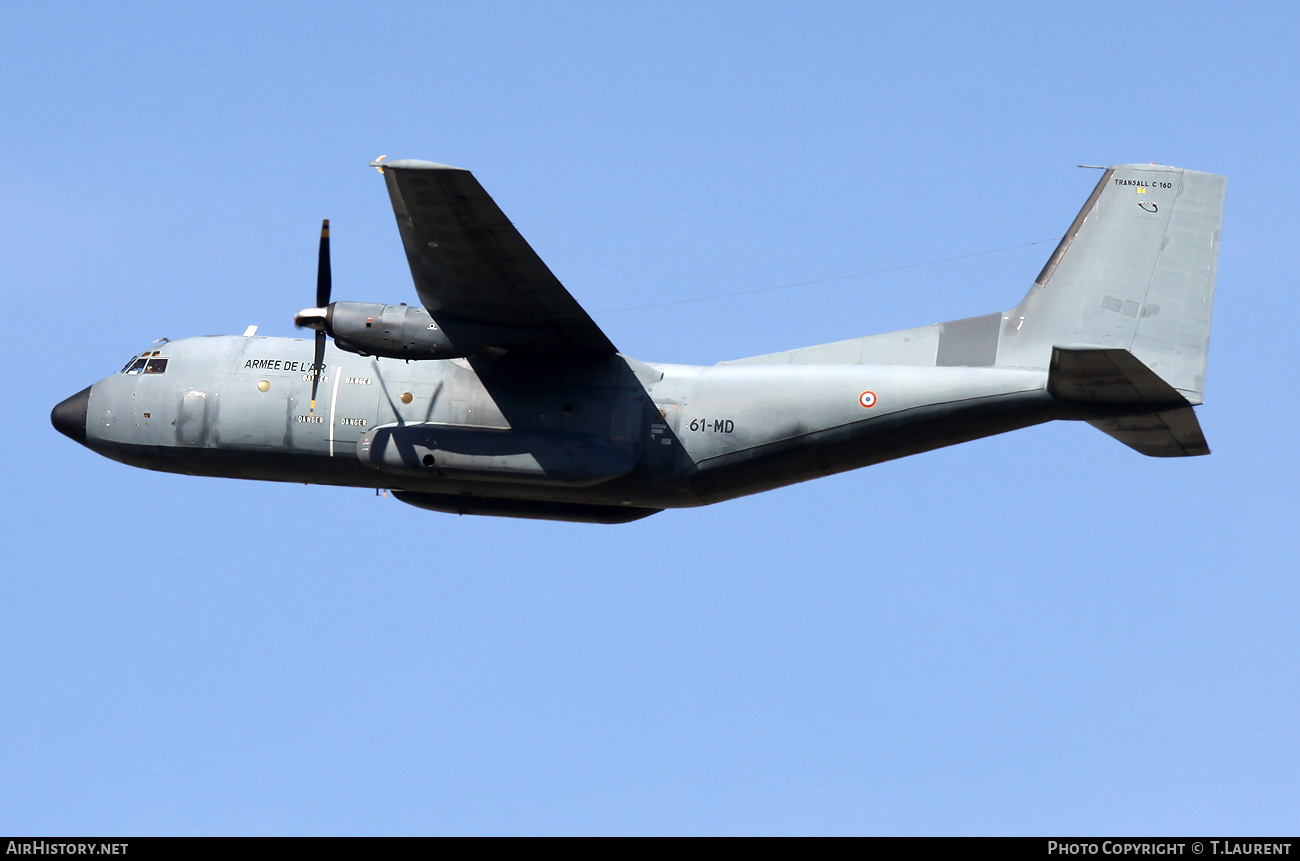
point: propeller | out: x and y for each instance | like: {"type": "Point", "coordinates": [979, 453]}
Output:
{"type": "Point", "coordinates": [315, 318]}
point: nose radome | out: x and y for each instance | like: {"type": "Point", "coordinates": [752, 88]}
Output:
{"type": "Point", "coordinates": [69, 417]}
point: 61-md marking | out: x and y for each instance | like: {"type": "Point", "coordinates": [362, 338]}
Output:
{"type": "Point", "coordinates": [718, 425]}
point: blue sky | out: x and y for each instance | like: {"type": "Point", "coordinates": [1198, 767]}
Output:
{"type": "Point", "coordinates": [1039, 633]}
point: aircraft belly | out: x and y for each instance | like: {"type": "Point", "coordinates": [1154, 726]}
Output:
{"type": "Point", "coordinates": [846, 447]}
{"type": "Point", "coordinates": [579, 512]}
{"type": "Point", "coordinates": [629, 491]}
{"type": "Point", "coordinates": [245, 463]}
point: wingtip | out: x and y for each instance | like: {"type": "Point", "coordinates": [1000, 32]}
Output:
{"type": "Point", "coordinates": [411, 164]}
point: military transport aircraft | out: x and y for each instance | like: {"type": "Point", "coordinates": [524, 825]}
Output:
{"type": "Point", "coordinates": [497, 394]}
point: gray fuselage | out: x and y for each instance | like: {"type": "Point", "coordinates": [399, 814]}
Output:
{"type": "Point", "coordinates": [607, 432]}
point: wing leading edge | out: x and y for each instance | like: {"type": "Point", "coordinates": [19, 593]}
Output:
{"type": "Point", "coordinates": [471, 266]}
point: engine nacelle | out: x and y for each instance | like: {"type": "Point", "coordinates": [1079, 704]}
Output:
{"type": "Point", "coordinates": [409, 332]}
{"type": "Point", "coordinates": [392, 331]}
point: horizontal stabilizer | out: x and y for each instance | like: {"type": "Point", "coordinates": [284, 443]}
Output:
{"type": "Point", "coordinates": [1162, 423]}
{"type": "Point", "coordinates": [1106, 376]}
{"type": "Point", "coordinates": [1173, 433]}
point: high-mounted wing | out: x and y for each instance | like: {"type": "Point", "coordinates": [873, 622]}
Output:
{"type": "Point", "coordinates": [471, 265]}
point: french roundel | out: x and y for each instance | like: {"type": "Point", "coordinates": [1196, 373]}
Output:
{"type": "Point", "coordinates": [867, 399]}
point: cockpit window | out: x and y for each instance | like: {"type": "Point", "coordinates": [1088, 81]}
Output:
{"type": "Point", "coordinates": [147, 362]}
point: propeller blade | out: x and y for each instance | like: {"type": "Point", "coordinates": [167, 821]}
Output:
{"type": "Point", "coordinates": [323, 267]}
{"type": "Point", "coordinates": [318, 365]}
{"type": "Point", "coordinates": [323, 284]}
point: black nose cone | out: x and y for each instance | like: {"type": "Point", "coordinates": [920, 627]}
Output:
{"type": "Point", "coordinates": [69, 417]}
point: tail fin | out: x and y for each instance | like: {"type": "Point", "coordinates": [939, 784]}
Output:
{"type": "Point", "coordinates": [1134, 272]}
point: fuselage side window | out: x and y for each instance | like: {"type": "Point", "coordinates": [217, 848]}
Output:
{"type": "Point", "coordinates": [156, 366]}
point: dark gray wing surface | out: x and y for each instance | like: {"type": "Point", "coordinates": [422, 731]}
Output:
{"type": "Point", "coordinates": [471, 265]}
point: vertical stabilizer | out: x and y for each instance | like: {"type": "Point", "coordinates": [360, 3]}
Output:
{"type": "Point", "coordinates": [1135, 271]}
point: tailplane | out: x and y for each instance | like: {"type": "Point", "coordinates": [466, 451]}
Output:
{"type": "Point", "coordinates": [1128, 401]}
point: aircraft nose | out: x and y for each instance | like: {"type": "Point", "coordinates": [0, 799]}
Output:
{"type": "Point", "coordinates": [69, 417]}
